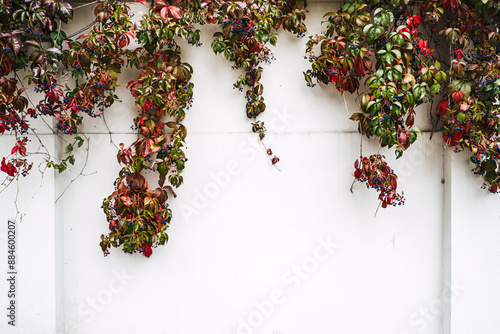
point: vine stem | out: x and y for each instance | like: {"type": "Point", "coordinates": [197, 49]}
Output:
{"type": "Point", "coordinates": [378, 207]}
{"type": "Point", "coordinates": [265, 147]}
{"type": "Point", "coordinates": [346, 107]}
{"type": "Point", "coordinates": [83, 29]}
{"type": "Point", "coordinates": [6, 185]}
{"type": "Point", "coordinates": [85, 5]}
{"type": "Point", "coordinates": [109, 131]}
{"type": "Point", "coordinates": [19, 213]}
{"type": "Point", "coordinates": [81, 171]}
{"type": "Point", "coordinates": [34, 106]}
{"type": "Point", "coordinates": [360, 155]}
{"type": "Point", "coordinates": [361, 146]}
{"type": "Point", "coordinates": [58, 33]}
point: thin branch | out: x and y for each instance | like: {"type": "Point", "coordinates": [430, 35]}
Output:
{"type": "Point", "coordinates": [10, 180]}
{"type": "Point", "coordinates": [265, 147]}
{"type": "Point", "coordinates": [58, 33]}
{"type": "Point", "coordinates": [90, 25]}
{"type": "Point", "coordinates": [84, 5]}
{"type": "Point", "coordinates": [361, 146]}
{"type": "Point", "coordinates": [346, 107]}
{"type": "Point", "coordinates": [109, 131]}
{"type": "Point", "coordinates": [378, 207]}
{"type": "Point", "coordinates": [81, 171]}
{"type": "Point", "coordinates": [33, 104]}
{"type": "Point", "coordinates": [42, 173]}
{"type": "Point", "coordinates": [18, 213]}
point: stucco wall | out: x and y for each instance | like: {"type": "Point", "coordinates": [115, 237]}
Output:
{"type": "Point", "coordinates": [253, 249]}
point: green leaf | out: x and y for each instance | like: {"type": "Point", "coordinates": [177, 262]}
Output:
{"type": "Point", "coordinates": [461, 117]}
{"type": "Point", "coordinates": [489, 165]}
{"type": "Point", "coordinates": [357, 116]}
{"type": "Point", "coordinates": [397, 53]}
{"type": "Point", "coordinates": [367, 28]}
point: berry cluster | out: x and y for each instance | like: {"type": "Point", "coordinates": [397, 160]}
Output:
{"type": "Point", "coordinates": [378, 175]}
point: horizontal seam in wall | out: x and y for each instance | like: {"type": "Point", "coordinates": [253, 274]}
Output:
{"type": "Point", "coordinates": [243, 132]}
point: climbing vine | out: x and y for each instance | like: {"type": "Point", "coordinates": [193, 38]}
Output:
{"type": "Point", "coordinates": [394, 55]}
{"type": "Point", "coordinates": [137, 214]}
{"type": "Point", "coordinates": [399, 54]}
{"type": "Point", "coordinates": [247, 27]}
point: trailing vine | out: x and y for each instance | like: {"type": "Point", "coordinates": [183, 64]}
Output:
{"type": "Point", "coordinates": [389, 47]}
{"type": "Point", "coordinates": [247, 27]}
{"type": "Point", "coordinates": [378, 175]}
{"type": "Point", "coordinates": [394, 55]}
{"type": "Point", "coordinates": [25, 24]}
{"type": "Point", "coordinates": [138, 215]}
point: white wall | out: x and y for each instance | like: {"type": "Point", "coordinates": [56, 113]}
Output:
{"type": "Point", "coordinates": [256, 250]}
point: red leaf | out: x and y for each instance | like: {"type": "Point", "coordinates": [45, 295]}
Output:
{"type": "Point", "coordinates": [443, 106]}
{"type": "Point", "coordinates": [22, 150]}
{"type": "Point", "coordinates": [8, 168]}
{"type": "Point", "coordinates": [3, 168]}
{"type": "Point", "coordinates": [136, 180]}
{"type": "Point", "coordinates": [269, 152]}
{"type": "Point", "coordinates": [122, 189]}
{"type": "Point", "coordinates": [334, 78]}
{"type": "Point", "coordinates": [175, 12]}
{"type": "Point", "coordinates": [14, 150]}
{"type": "Point", "coordinates": [457, 95]}
{"type": "Point", "coordinates": [132, 83]}
{"type": "Point", "coordinates": [53, 96]}
{"type": "Point", "coordinates": [402, 137]}
{"type": "Point", "coordinates": [141, 2]}
{"type": "Point", "coordinates": [410, 120]}
{"type": "Point", "coordinates": [368, 63]}
{"type": "Point", "coordinates": [457, 135]}
{"type": "Point", "coordinates": [147, 250]}
{"type": "Point", "coordinates": [449, 140]}
{"type": "Point", "coordinates": [157, 192]}
{"type": "Point", "coordinates": [394, 182]}
{"type": "Point", "coordinates": [163, 12]}
{"type": "Point", "coordinates": [357, 173]}
{"type": "Point", "coordinates": [126, 200]}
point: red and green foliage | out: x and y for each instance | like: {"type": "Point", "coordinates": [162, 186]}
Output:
{"type": "Point", "coordinates": [247, 28]}
{"type": "Point", "coordinates": [138, 215]}
{"type": "Point", "coordinates": [396, 55]}
{"type": "Point", "coordinates": [378, 175]}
